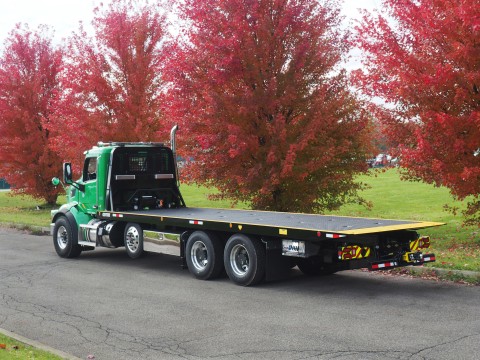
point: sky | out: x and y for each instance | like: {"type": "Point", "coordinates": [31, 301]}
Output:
{"type": "Point", "coordinates": [63, 16]}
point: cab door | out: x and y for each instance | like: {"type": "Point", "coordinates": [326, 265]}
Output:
{"type": "Point", "coordinates": [88, 197]}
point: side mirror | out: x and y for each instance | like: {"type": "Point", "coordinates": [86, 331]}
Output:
{"type": "Point", "coordinates": [67, 173]}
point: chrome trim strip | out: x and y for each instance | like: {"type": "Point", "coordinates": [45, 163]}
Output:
{"type": "Point", "coordinates": [124, 177]}
{"type": "Point", "coordinates": [87, 243]}
{"type": "Point", "coordinates": [160, 242]}
{"type": "Point", "coordinates": [163, 176]}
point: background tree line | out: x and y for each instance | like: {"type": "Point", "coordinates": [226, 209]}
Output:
{"type": "Point", "coordinates": [267, 110]}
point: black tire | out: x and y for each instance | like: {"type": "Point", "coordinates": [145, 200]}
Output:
{"type": "Point", "coordinates": [244, 260]}
{"type": "Point", "coordinates": [314, 266]}
{"type": "Point", "coordinates": [65, 239]}
{"type": "Point", "coordinates": [133, 239]}
{"type": "Point", "coordinates": [204, 255]}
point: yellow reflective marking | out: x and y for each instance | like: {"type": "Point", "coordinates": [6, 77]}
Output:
{"type": "Point", "coordinates": [351, 252]}
{"type": "Point", "coordinates": [390, 228]}
{"type": "Point", "coordinates": [414, 245]}
{"type": "Point", "coordinates": [406, 258]}
{"type": "Point", "coordinates": [240, 227]}
{"type": "Point", "coordinates": [283, 231]}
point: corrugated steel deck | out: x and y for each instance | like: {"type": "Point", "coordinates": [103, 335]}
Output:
{"type": "Point", "coordinates": [323, 223]}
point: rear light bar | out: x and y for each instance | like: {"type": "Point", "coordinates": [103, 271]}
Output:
{"type": "Point", "coordinates": [428, 258]}
{"type": "Point", "coordinates": [384, 265]}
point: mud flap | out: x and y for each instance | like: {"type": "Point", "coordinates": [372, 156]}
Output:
{"type": "Point", "coordinates": [277, 266]}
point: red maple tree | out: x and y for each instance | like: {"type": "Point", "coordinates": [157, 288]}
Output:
{"type": "Point", "coordinates": [113, 79]}
{"type": "Point", "coordinates": [29, 88]}
{"type": "Point", "coordinates": [422, 59]}
{"type": "Point", "coordinates": [267, 109]}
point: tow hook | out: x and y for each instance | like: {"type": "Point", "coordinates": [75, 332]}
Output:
{"type": "Point", "coordinates": [413, 257]}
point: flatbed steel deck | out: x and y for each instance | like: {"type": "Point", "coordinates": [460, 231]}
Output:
{"type": "Point", "coordinates": [272, 223]}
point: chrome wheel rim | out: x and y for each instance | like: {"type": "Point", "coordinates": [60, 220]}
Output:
{"type": "Point", "coordinates": [239, 260]}
{"type": "Point", "coordinates": [199, 255]}
{"type": "Point", "coordinates": [62, 237]}
{"type": "Point", "coordinates": [132, 239]}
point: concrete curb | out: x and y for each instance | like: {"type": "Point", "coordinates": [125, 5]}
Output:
{"type": "Point", "coordinates": [444, 272]}
{"type": "Point", "coordinates": [41, 230]}
{"type": "Point", "coordinates": [38, 345]}
{"type": "Point", "coordinates": [34, 230]}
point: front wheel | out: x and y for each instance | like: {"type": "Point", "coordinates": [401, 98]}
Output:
{"type": "Point", "coordinates": [133, 238]}
{"type": "Point", "coordinates": [65, 239]}
{"type": "Point", "coordinates": [244, 260]}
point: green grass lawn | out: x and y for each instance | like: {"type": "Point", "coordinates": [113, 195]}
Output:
{"type": "Point", "coordinates": [456, 247]}
{"type": "Point", "coordinates": [12, 349]}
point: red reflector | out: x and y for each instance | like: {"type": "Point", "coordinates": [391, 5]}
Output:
{"type": "Point", "coordinates": [334, 236]}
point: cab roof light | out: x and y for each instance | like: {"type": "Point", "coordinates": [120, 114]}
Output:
{"type": "Point", "coordinates": [114, 143]}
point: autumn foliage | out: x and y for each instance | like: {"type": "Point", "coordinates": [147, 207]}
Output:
{"type": "Point", "coordinates": [422, 58]}
{"type": "Point", "coordinates": [113, 80]}
{"type": "Point", "coordinates": [29, 89]}
{"type": "Point", "coordinates": [268, 111]}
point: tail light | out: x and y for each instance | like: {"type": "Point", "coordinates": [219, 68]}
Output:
{"type": "Point", "coordinates": [421, 243]}
{"type": "Point", "coordinates": [351, 252]}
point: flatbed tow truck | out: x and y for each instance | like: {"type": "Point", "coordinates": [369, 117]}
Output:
{"type": "Point", "coordinates": [128, 196]}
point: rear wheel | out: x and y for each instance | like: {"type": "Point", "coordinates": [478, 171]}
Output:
{"type": "Point", "coordinates": [65, 239]}
{"type": "Point", "coordinates": [315, 266]}
{"type": "Point", "coordinates": [204, 255]}
{"type": "Point", "coordinates": [133, 238]}
{"type": "Point", "coordinates": [244, 260]}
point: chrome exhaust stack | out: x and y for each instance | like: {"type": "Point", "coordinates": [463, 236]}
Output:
{"type": "Point", "coordinates": [173, 146]}
{"type": "Point", "coordinates": [173, 141]}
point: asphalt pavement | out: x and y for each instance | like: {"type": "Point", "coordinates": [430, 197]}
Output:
{"type": "Point", "coordinates": [105, 305]}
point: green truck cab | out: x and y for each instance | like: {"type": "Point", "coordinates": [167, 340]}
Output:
{"type": "Point", "coordinates": [115, 176]}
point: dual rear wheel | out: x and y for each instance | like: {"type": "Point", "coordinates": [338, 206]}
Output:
{"type": "Point", "coordinates": [243, 258]}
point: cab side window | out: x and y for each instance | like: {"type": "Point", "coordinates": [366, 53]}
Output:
{"type": "Point", "coordinates": [90, 169]}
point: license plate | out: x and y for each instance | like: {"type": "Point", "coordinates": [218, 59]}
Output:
{"type": "Point", "coordinates": [293, 248]}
